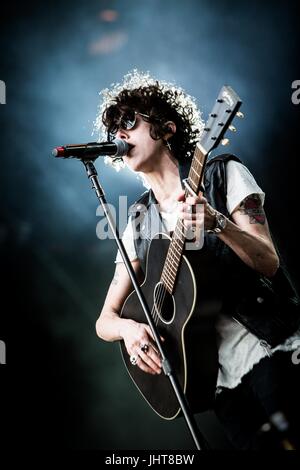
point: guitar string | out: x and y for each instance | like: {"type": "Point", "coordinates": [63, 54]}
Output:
{"type": "Point", "coordinates": [170, 262]}
{"type": "Point", "coordinates": [162, 289]}
{"type": "Point", "coordinates": [157, 305]}
{"type": "Point", "coordinates": [159, 299]}
{"type": "Point", "coordinates": [196, 167]}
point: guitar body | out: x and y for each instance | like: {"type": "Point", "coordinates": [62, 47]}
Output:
{"type": "Point", "coordinates": [187, 324]}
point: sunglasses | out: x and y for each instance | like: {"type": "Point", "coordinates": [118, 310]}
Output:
{"type": "Point", "coordinates": [126, 122]}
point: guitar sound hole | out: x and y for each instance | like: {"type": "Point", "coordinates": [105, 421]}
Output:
{"type": "Point", "coordinates": [164, 303]}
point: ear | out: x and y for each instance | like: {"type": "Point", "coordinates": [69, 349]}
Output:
{"type": "Point", "coordinates": [170, 129]}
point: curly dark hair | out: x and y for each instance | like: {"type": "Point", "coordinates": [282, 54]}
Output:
{"type": "Point", "coordinates": [160, 105]}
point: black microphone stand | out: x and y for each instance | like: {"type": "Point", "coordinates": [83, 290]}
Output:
{"type": "Point", "coordinates": [199, 440]}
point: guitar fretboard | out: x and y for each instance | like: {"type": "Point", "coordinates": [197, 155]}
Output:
{"type": "Point", "coordinates": [172, 263]}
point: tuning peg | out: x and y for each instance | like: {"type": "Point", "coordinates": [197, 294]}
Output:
{"type": "Point", "coordinates": [240, 114]}
{"type": "Point", "coordinates": [225, 141]}
{"type": "Point", "coordinates": [232, 128]}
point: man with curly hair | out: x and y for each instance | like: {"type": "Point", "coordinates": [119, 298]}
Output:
{"type": "Point", "coordinates": [162, 124]}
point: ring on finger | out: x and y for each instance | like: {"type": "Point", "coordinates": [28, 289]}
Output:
{"type": "Point", "coordinates": [133, 359]}
{"type": "Point", "coordinates": [145, 347]}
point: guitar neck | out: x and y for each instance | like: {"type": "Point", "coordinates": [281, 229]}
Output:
{"type": "Point", "coordinates": [223, 112]}
{"type": "Point", "coordinates": [194, 181]}
{"type": "Point", "coordinates": [195, 178]}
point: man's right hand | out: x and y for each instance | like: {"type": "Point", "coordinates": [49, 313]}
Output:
{"type": "Point", "coordinates": [140, 343]}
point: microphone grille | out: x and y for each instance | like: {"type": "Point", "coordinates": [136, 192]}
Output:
{"type": "Point", "coordinates": [122, 147]}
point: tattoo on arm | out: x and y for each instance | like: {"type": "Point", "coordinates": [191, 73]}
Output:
{"type": "Point", "coordinates": [252, 207]}
{"type": "Point", "coordinates": [115, 279]}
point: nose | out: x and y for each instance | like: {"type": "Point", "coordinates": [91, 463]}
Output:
{"type": "Point", "coordinates": [121, 134]}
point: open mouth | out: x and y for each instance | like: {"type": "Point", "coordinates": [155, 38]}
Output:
{"type": "Point", "coordinates": [130, 149]}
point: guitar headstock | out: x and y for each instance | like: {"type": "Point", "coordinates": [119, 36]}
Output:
{"type": "Point", "coordinates": [225, 109]}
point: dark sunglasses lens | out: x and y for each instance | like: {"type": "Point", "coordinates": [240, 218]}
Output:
{"type": "Point", "coordinates": [128, 121]}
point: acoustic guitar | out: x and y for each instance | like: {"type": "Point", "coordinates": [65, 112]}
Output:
{"type": "Point", "coordinates": [180, 296]}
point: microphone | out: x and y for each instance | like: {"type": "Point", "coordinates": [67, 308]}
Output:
{"type": "Point", "coordinates": [92, 150]}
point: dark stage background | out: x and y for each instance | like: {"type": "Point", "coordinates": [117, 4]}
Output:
{"type": "Point", "coordinates": [62, 387]}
